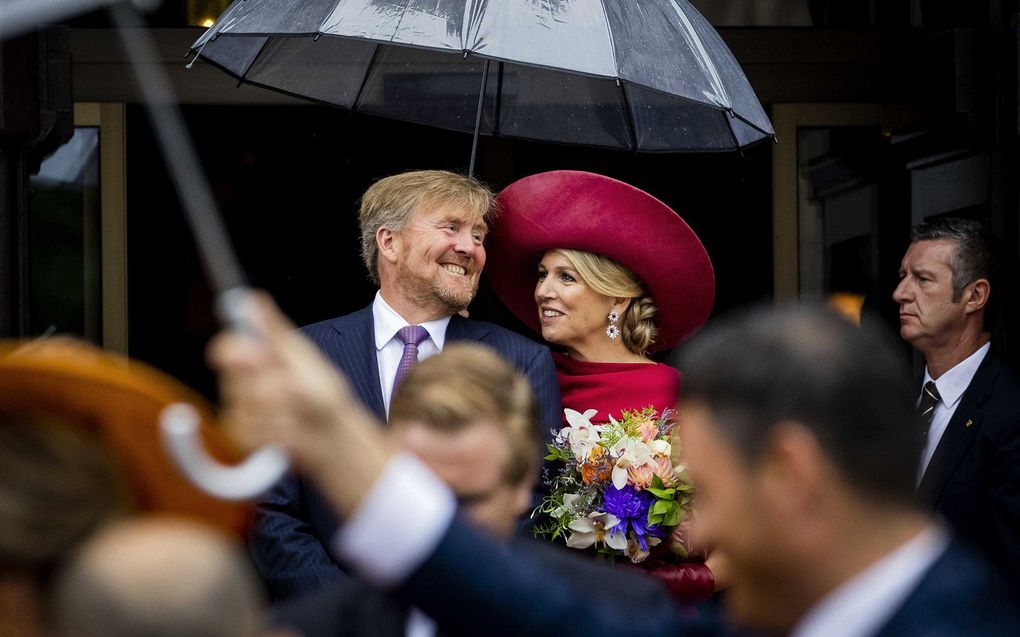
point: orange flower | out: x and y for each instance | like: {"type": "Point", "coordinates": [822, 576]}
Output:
{"type": "Point", "coordinates": [597, 467]}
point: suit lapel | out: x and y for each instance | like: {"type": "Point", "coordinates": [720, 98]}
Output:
{"type": "Point", "coordinates": [462, 329]}
{"type": "Point", "coordinates": [357, 357]}
{"type": "Point", "coordinates": [353, 350]}
{"type": "Point", "coordinates": [959, 434]}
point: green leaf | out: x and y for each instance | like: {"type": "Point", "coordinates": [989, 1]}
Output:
{"type": "Point", "coordinates": [665, 513]}
{"type": "Point", "coordinates": [664, 506]}
{"type": "Point", "coordinates": [665, 494]}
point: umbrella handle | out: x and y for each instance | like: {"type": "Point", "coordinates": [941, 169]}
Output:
{"type": "Point", "coordinates": [254, 476]}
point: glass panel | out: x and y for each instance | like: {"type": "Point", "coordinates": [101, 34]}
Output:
{"type": "Point", "coordinates": [64, 285]}
{"type": "Point", "coordinates": [840, 204]}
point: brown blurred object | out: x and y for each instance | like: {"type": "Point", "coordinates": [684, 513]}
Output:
{"type": "Point", "coordinates": [847, 304]}
{"type": "Point", "coordinates": [119, 401]}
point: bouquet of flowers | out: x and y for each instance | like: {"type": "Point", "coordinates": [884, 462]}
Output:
{"type": "Point", "coordinates": [618, 489]}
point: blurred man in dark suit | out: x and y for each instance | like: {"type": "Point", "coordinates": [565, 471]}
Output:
{"type": "Point", "coordinates": [470, 418]}
{"type": "Point", "coordinates": [793, 423]}
{"type": "Point", "coordinates": [968, 401]}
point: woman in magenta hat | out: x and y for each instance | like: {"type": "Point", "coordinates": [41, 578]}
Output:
{"type": "Point", "coordinates": [607, 274]}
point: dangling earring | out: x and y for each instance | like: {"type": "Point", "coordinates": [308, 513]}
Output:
{"type": "Point", "coordinates": [612, 331]}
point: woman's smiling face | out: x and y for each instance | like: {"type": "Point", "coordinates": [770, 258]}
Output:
{"type": "Point", "coordinates": [570, 312]}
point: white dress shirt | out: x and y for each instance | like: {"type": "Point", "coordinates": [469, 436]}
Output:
{"type": "Point", "coordinates": [950, 386]}
{"type": "Point", "coordinates": [375, 539]}
{"type": "Point", "coordinates": [389, 349]}
{"type": "Point", "coordinates": [860, 606]}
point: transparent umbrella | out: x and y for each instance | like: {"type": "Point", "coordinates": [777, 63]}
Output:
{"type": "Point", "coordinates": [646, 75]}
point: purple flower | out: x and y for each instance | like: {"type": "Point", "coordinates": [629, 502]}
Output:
{"type": "Point", "coordinates": [631, 507]}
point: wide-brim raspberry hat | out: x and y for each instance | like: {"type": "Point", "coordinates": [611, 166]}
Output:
{"type": "Point", "coordinates": [586, 211]}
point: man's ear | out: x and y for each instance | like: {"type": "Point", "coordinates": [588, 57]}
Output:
{"type": "Point", "coordinates": [975, 295]}
{"type": "Point", "coordinates": [388, 244]}
{"type": "Point", "coordinates": [796, 468]}
{"type": "Point", "coordinates": [523, 497]}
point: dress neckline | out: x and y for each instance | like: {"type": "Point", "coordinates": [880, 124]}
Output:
{"type": "Point", "coordinates": [577, 366]}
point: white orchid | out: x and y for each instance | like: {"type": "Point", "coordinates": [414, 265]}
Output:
{"type": "Point", "coordinates": [634, 550]}
{"type": "Point", "coordinates": [660, 448]}
{"type": "Point", "coordinates": [580, 433]}
{"type": "Point", "coordinates": [633, 453]}
{"type": "Point", "coordinates": [568, 506]}
{"type": "Point", "coordinates": [594, 528]}
{"type": "Point", "coordinates": [629, 452]}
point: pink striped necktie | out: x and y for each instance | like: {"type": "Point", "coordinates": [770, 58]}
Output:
{"type": "Point", "coordinates": [412, 336]}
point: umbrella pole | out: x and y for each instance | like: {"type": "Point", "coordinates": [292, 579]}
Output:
{"type": "Point", "coordinates": [478, 119]}
{"type": "Point", "coordinates": [261, 470]}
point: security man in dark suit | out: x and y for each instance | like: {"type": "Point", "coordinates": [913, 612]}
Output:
{"type": "Point", "coordinates": [969, 402]}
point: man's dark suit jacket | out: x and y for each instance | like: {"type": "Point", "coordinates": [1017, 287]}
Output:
{"type": "Point", "coordinates": [355, 608]}
{"type": "Point", "coordinates": [468, 584]}
{"type": "Point", "coordinates": [973, 479]}
{"type": "Point", "coordinates": [293, 525]}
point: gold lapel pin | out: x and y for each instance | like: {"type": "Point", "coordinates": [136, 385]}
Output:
{"type": "Point", "coordinates": [968, 423]}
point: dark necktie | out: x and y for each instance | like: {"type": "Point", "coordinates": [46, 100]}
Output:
{"type": "Point", "coordinates": [926, 408]}
{"type": "Point", "coordinates": [411, 336]}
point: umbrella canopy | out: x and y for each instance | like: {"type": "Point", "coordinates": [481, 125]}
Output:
{"type": "Point", "coordinates": [648, 75]}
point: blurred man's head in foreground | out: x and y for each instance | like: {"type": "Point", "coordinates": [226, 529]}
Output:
{"type": "Point", "coordinates": [157, 576]}
{"type": "Point", "coordinates": [472, 419]}
{"type": "Point", "coordinates": [797, 429]}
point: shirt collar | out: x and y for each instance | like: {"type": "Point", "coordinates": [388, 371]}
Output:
{"type": "Point", "coordinates": [865, 602]}
{"type": "Point", "coordinates": [953, 383]}
{"type": "Point", "coordinates": [387, 323]}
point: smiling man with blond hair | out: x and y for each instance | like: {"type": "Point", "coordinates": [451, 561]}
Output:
{"type": "Point", "coordinates": [423, 242]}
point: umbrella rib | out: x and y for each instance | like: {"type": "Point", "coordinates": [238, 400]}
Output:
{"type": "Point", "coordinates": [396, 29]}
{"type": "Point", "coordinates": [478, 119]}
{"type": "Point", "coordinates": [728, 114]}
{"type": "Point", "coordinates": [364, 79]}
{"type": "Point", "coordinates": [244, 73]}
{"type": "Point", "coordinates": [753, 125]}
{"type": "Point", "coordinates": [698, 48]}
{"type": "Point", "coordinates": [328, 14]}
{"type": "Point", "coordinates": [220, 22]}
{"type": "Point", "coordinates": [627, 115]}
{"type": "Point", "coordinates": [612, 40]}
{"type": "Point", "coordinates": [498, 100]}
